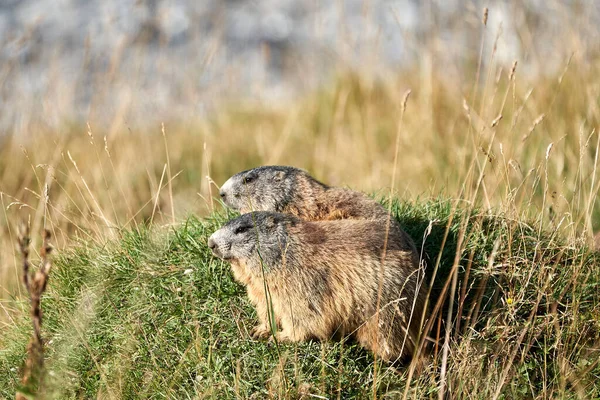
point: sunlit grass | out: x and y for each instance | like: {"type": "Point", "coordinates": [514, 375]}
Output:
{"type": "Point", "coordinates": [499, 167]}
{"type": "Point", "coordinates": [155, 314]}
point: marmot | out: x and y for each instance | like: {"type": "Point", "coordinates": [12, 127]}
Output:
{"type": "Point", "coordinates": [291, 190]}
{"type": "Point", "coordinates": [326, 278]}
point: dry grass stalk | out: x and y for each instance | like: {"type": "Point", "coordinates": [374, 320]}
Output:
{"type": "Point", "coordinates": [387, 227]}
{"type": "Point", "coordinates": [35, 284]}
{"type": "Point", "coordinates": [164, 135]}
{"type": "Point", "coordinates": [454, 275]}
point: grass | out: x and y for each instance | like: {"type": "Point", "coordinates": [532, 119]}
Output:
{"type": "Point", "coordinates": [125, 321]}
{"type": "Point", "coordinates": [495, 176]}
{"type": "Point", "coordinates": [89, 181]}
{"type": "Point", "coordinates": [154, 314]}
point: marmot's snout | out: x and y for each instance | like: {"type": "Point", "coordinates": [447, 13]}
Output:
{"type": "Point", "coordinates": [212, 245]}
{"type": "Point", "coordinates": [218, 245]}
{"type": "Point", "coordinates": [227, 193]}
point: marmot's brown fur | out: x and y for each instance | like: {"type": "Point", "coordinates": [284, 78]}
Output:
{"type": "Point", "coordinates": [326, 279]}
{"type": "Point", "coordinates": [293, 191]}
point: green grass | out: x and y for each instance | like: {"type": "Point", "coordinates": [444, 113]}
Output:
{"type": "Point", "coordinates": [155, 315]}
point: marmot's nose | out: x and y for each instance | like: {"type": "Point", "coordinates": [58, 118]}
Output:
{"type": "Point", "coordinates": [222, 194]}
{"type": "Point", "coordinates": [211, 243]}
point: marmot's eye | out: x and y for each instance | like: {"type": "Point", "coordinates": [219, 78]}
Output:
{"type": "Point", "coordinates": [241, 229]}
{"type": "Point", "coordinates": [249, 178]}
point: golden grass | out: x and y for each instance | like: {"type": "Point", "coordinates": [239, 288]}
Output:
{"type": "Point", "coordinates": [488, 137]}
{"type": "Point", "coordinates": [530, 146]}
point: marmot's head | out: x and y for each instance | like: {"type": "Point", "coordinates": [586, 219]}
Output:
{"type": "Point", "coordinates": [243, 238]}
{"type": "Point", "coordinates": [268, 188]}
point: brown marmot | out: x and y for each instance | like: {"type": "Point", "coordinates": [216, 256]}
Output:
{"type": "Point", "coordinates": [292, 190]}
{"type": "Point", "coordinates": [326, 278]}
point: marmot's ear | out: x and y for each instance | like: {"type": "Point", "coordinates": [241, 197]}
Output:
{"type": "Point", "coordinates": [279, 175]}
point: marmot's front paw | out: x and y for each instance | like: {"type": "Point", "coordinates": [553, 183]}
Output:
{"type": "Point", "coordinates": [280, 337]}
{"type": "Point", "coordinates": [260, 332]}
{"type": "Point", "coordinates": [283, 337]}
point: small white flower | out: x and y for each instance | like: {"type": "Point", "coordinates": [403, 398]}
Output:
{"type": "Point", "coordinates": [188, 271]}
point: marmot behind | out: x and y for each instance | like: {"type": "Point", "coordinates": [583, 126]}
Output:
{"type": "Point", "coordinates": [291, 190]}
{"type": "Point", "coordinates": [327, 279]}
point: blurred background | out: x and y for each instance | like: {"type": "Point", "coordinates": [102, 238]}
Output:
{"type": "Point", "coordinates": [117, 113]}
{"type": "Point", "coordinates": [151, 61]}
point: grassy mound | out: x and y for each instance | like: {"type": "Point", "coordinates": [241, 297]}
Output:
{"type": "Point", "coordinates": [155, 315]}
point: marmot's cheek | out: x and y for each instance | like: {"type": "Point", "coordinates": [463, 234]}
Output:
{"type": "Point", "coordinates": [225, 251]}
{"type": "Point", "coordinates": [252, 252]}
{"type": "Point", "coordinates": [229, 201]}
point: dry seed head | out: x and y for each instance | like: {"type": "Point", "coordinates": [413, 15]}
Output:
{"type": "Point", "coordinates": [537, 121]}
{"type": "Point", "coordinates": [47, 236]}
{"type": "Point", "coordinates": [46, 194]}
{"type": "Point", "coordinates": [106, 146]}
{"type": "Point", "coordinates": [466, 106]}
{"type": "Point", "coordinates": [405, 99]}
{"type": "Point", "coordinates": [496, 121]}
{"type": "Point", "coordinates": [89, 132]}
{"type": "Point", "coordinates": [23, 241]}
{"type": "Point", "coordinates": [490, 156]}
{"type": "Point", "coordinates": [73, 161]}
{"type": "Point", "coordinates": [511, 76]}
{"type": "Point", "coordinates": [548, 150]}
{"type": "Point", "coordinates": [23, 237]}
{"type": "Point", "coordinates": [515, 166]}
